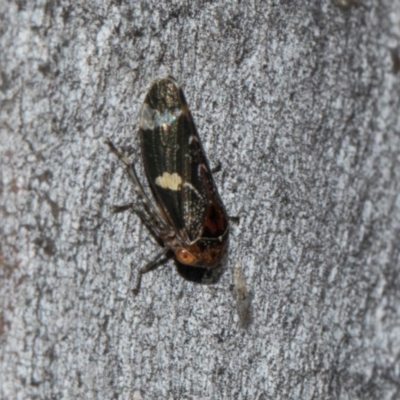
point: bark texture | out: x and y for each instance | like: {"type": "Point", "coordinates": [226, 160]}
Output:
{"type": "Point", "coordinates": [300, 103]}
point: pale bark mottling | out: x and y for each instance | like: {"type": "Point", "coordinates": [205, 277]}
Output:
{"type": "Point", "coordinates": [299, 101]}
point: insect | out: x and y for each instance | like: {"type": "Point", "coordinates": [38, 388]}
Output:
{"type": "Point", "coordinates": [185, 214]}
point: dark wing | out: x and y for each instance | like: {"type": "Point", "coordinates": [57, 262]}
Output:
{"type": "Point", "coordinates": [174, 160]}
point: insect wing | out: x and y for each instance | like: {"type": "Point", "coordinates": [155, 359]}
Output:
{"type": "Point", "coordinates": [174, 161]}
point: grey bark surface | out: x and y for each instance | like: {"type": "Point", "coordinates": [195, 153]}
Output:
{"type": "Point", "coordinates": [299, 101]}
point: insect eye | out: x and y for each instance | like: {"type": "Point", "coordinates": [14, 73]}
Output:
{"type": "Point", "coordinates": [184, 257]}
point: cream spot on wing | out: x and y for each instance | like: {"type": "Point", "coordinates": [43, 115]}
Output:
{"type": "Point", "coordinates": [169, 181]}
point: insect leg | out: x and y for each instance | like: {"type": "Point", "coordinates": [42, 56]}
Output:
{"type": "Point", "coordinates": [124, 207]}
{"type": "Point", "coordinates": [234, 218]}
{"type": "Point", "coordinates": [148, 220]}
{"type": "Point", "coordinates": [217, 168]}
{"type": "Point", "coordinates": [130, 168]}
{"type": "Point", "coordinates": [144, 200]}
{"type": "Point", "coordinates": [161, 258]}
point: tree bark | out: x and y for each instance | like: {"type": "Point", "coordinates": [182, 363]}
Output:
{"type": "Point", "coordinates": [299, 101]}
